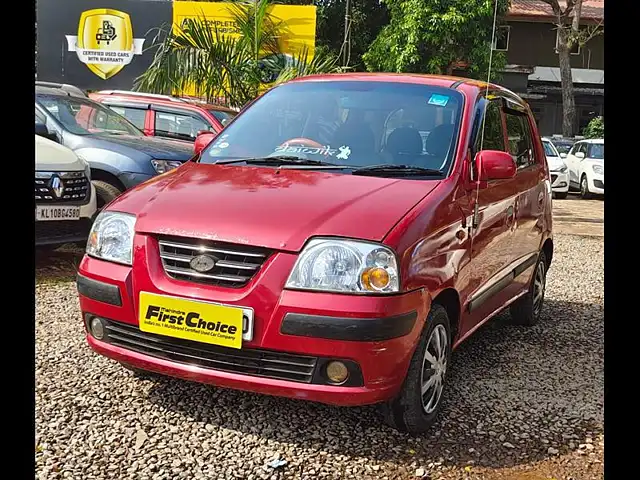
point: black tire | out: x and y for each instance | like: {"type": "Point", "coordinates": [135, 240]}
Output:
{"type": "Point", "coordinates": [105, 192]}
{"type": "Point", "coordinates": [584, 188]}
{"type": "Point", "coordinates": [526, 311]}
{"type": "Point", "coordinates": [561, 195]}
{"type": "Point", "coordinates": [406, 412]}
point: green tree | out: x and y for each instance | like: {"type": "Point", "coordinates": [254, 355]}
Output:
{"type": "Point", "coordinates": [595, 128]}
{"type": "Point", "coordinates": [570, 34]}
{"type": "Point", "coordinates": [436, 36]}
{"type": "Point", "coordinates": [233, 71]}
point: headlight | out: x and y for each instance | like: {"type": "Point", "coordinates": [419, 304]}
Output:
{"type": "Point", "coordinates": [111, 237]}
{"type": "Point", "coordinates": [349, 266]}
{"type": "Point", "coordinates": [561, 169]}
{"type": "Point", "coordinates": [599, 169]}
{"type": "Point", "coordinates": [163, 166]}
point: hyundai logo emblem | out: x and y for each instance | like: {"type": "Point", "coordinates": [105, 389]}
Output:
{"type": "Point", "coordinates": [203, 263]}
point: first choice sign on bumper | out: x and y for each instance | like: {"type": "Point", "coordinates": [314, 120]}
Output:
{"type": "Point", "coordinates": [105, 42]}
{"type": "Point", "coordinates": [191, 320]}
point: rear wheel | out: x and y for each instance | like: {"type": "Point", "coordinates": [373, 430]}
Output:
{"type": "Point", "coordinates": [526, 310]}
{"type": "Point", "coordinates": [584, 188]}
{"type": "Point", "coordinates": [415, 409]}
{"type": "Point", "coordinates": [105, 193]}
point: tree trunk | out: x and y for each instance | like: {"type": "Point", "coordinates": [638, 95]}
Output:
{"type": "Point", "coordinates": [568, 100]}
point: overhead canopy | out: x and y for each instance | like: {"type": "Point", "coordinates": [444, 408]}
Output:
{"type": "Point", "coordinates": [580, 75]}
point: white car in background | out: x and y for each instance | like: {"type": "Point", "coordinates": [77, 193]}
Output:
{"type": "Point", "coordinates": [64, 196]}
{"type": "Point", "coordinates": [558, 170]}
{"type": "Point", "coordinates": [586, 167]}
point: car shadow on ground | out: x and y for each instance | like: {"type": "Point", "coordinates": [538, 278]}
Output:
{"type": "Point", "coordinates": [510, 387]}
{"type": "Point", "coordinates": [59, 265]}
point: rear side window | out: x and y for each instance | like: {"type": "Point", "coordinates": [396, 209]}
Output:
{"type": "Point", "coordinates": [176, 125]}
{"type": "Point", "coordinates": [520, 142]}
{"type": "Point", "coordinates": [223, 117]}
{"type": "Point", "coordinates": [134, 115]}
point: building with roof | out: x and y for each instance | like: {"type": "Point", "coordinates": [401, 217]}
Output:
{"type": "Point", "coordinates": [529, 39]}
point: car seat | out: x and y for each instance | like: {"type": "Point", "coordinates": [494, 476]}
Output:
{"type": "Point", "coordinates": [356, 135]}
{"type": "Point", "coordinates": [404, 144]}
{"type": "Point", "coordinates": [439, 142]}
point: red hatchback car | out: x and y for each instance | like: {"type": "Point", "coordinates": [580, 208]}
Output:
{"type": "Point", "coordinates": [165, 116]}
{"type": "Point", "coordinates": [334, 244]}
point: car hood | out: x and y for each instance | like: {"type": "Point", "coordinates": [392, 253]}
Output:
{"type": "Point", "coordinates": [130, 145]}
{"type": "Point", "coordinates": [555, 163]}
{"type": "Point", "coordinates": [276, 209]}
{"type": "Point", "coordinates": [53, 157]}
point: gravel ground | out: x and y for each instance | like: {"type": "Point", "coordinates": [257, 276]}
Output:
{"type": "Point", "coordinates": [522, 404]}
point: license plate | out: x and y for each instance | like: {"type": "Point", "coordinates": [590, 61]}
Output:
{"type": "Point", "coordinates": [51, 212]}
{"type": "Point", "coordinates": [195, 320]}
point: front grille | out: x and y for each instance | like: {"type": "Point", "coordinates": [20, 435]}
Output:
{"type": "Point", "coordinates": [553, 178]}
{"type": "Point", "coordinates": [234, 265]}
{"type": "Point", "coordinates": [263, 363]}
{"type": "Point", "coordinates": [74, 187]}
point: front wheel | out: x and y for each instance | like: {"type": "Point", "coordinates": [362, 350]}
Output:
{"type": "Point", "coordinates": [584, 188]}
{"type": "Point", "coordinates": [415, 409]}
{"type": "Point", "coordinates": [105, 193]}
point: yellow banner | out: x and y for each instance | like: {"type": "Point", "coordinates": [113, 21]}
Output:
{"type": "Point", "coordinates": [299, 22]}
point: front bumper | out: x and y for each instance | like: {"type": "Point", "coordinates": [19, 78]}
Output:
{"type": "Point", "coordinates": [374, 336]}
{"type": "Point", "coordinates": [596, 184]}
{"type": "Point", "coordinates": [559, 182]}
{"type": "Point", "coordinates": [67, 231]}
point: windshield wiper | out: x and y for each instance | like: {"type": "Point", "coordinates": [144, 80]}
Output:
{"type": "Point", "coordinates": [280, 160]}
{"type": "Point", "coordinates": [393, 169]}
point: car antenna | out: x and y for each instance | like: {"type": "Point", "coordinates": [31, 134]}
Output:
{"type": "Point", "coordinates": [475, 221]}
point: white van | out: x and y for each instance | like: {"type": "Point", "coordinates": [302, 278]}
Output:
{"type": "Point", "coordinates": [65, 197]}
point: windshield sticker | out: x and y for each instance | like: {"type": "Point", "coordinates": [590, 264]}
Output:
{"type": "Point", "coordinates": [223, 145]}
{"type": "Point", "coordinates": [439, 100]}
{"type": "Point", "coordinates": [344, 153]}
{"type": "Point", "coordinates": [286, 148]}
{"type": "Point", "coordinates": [215, 151]}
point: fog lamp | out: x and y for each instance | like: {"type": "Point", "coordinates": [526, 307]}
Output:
{"type": "Point", "coordinates": [97, 328]}
{"type": "Point", "coordinates": [337, 372]}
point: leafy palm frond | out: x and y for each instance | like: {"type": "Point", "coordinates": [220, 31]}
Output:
{"type": "Point", "coordinates": [196, 57]}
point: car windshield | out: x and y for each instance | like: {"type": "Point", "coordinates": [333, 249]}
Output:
{"type": "Point", "coordinates": [549, 149]}
{"type": "Point", "coordinates": [84, 117]}
{"type": "Point", "coordinates": [222, 116]}
{"type": "Point", "coordinates": [563, 147]}
{"type": "Point", "coordinates": [348, 123]}
{"type": "Point", "coordinates": [596, 150]}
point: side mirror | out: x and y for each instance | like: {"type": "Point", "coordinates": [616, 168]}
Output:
{"type": "Point", "coordinates": [43, 131]}
{"type": "Point", "coordinates": [203, 139]}
{"type": "Point", "coordinates": [495, 165]}
{"type": "Point", "coordinates": [580, 155]}
{"type": "Point", "coordinates": [563, 155]}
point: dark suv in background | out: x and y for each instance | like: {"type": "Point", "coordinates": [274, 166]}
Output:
{"type": "Point", "coordinates": [119, 154]}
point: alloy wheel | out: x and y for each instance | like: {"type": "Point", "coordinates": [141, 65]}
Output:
{"type": "Point", "coordinates": [434, 368]}
{"type": "Point", "coordinates": [539, 284]}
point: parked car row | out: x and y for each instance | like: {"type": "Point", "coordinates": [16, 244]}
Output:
{"type": "Point", "coordinates": [575, 164]}
{"type": "Point", "coordinates": [334, 243]}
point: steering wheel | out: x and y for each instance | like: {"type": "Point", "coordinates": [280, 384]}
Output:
{"type": "Point", "coordinates": [303, 142]}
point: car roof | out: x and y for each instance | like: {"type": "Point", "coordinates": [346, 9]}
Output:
{"type": "Point", "coordinates": [162, 99]}
{"type": "Point", "coordinates": [591, 140]}
{"type": "Point", "coordinates": [51, 88]}
{"type": "Point", "coordinates": [422, 79]}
